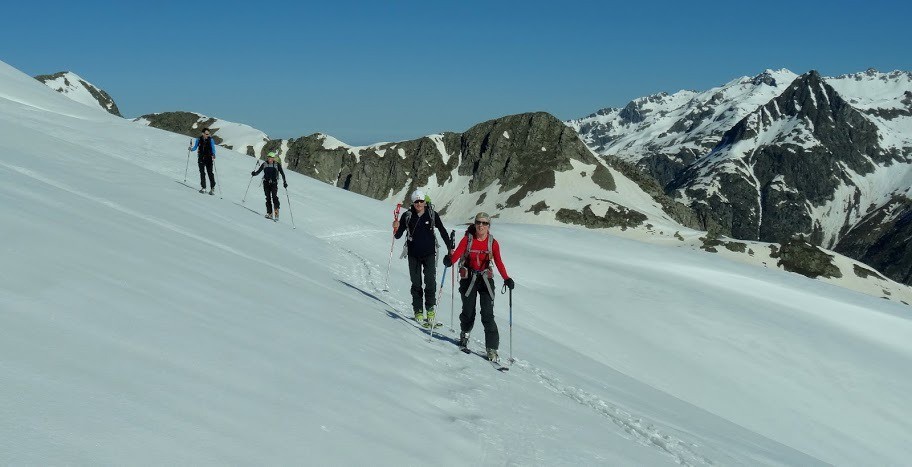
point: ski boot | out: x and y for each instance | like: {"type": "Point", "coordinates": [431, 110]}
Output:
{"type": "Point", "coordinates": [419, 317]}
{"type": "Point", "coordinates": [212, 191]}
{"type": "Point", "coordinates": [432, 319]}
{"type": "Point", "coordinates": [203, 190]}
{"type": "Point", "coordinates": [492, 356]}
{"type": "Point", "coordinates": [275, 215]}
{"type": "Point", "coordinates": [463, 339]}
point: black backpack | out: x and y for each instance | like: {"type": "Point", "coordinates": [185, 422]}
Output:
{"type": "Point", "coordinates": [408, 229]}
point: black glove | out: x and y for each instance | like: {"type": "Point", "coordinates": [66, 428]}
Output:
{"type": "Point", "coordinates": [447, 261]}
{"type": "Point", "coordinates": [286, 184]}
{"type": "Point", "coordinates": [509, 283]}
{"type": "Point", "coordinates": [252, 173]}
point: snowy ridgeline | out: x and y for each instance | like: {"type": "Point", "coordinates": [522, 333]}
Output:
{"type": "Point", "coordinates": [142, 322]}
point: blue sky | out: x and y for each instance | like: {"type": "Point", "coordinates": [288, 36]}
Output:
{"type": "Point", "coordinates": [385, 71]}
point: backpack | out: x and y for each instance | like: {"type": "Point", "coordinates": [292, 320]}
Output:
{"type": "Point", "coordinates": [408, 217]}
{"type": "Point", "coordinates": [464, 270]}
{"type": "Point", "coordinates": [464, 260]}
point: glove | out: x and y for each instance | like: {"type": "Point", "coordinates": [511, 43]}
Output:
{"type": "Point", "coordinates": [252, 173]}
{"type": "Point", "coordinates": [447, 261]}
{"type": "Point", "coordinates": [509, 283]}
{"type": "Point", "coordinates": [286, 184]}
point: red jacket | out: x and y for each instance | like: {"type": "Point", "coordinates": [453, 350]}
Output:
{"type": "Point", "coordinates": [478, 255]}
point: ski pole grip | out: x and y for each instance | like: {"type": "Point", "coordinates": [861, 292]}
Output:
{"type": "Point", "coordinates": [396, 214]}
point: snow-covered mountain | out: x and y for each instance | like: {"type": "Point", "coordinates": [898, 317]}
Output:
{"type": "Point", "coordinates": [665, 133]}
{"type": "Point", "coordinates": [144, 322]}
{"type": "Point", "coordinates": [71, 85]}
{"type": "Point", "coordinates": [237, 136]}
{"type": "Point", "coordinates": [777, 155]}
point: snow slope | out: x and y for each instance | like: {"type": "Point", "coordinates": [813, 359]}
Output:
{"type": "Point", "coordinates": [142, 322]}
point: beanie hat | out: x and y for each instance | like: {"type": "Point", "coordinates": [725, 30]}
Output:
{"type": "Point", "coordinates": [416, 195]}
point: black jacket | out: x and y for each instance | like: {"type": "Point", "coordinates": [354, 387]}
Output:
{"type": "Point", "coordinates": [272, 172]}
{"type": "Point", "coordinates": [422, 233]}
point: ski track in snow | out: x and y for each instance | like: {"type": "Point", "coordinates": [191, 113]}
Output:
{"type": "Point", "coordinates": [368, 276]}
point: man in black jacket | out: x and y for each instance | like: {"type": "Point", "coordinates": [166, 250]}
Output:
{"type": "Point", "coordinates": [421, 246]}
{"type": "Point", "coordinates": [205, 151]}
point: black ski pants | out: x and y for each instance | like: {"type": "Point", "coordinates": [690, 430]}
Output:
{"type": "Point", "coordinates": [426, 268]}
{"type": "Point", "coordinates": [271, 188]}
{"type": "Point", "coordinates": [480, 293]}
{"type": "Point", "coordinates": [205, 164]}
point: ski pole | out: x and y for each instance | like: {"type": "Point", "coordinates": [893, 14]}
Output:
{"type": "Point", "coordinates": [255, 161]}
{"type": "Point", "coordinates": [289, 208]}
{"type": "Point", "coordinates": [390, 263]}
{"type": "Point", "coordinates": [511, 326]}
{"type": "Point", "coordinates": [440, 289]}
{"type": "Point", "coordinates": [217, 181]}
{"type": "Point", "coordinates": [452, 282]}
{"type": "Point", "coordinates": [503, 290]}
{"type": "Point", "coordinates": [188, 161]}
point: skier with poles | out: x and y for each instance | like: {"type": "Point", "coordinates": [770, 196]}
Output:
{"type": "Point", "coordinates": [420, 247]}
{"type": "Point", "coordinates": [205, 151]}
{"type": "Point", "coordinates": [475, 254]}
{"type": "Point", "coordinates": [271, 169]}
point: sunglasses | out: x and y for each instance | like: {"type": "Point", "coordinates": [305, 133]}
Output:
{"type": "Point", "coordinates": [419, 201]}
{"type": "Point", "coordinates": [482, 223]}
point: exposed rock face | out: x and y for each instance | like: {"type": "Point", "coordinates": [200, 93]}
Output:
{"type": "Point", "coordinates": [881, 239]}
{"type": "Point", "coordinates": [518, 152]}
{"type": "Point", "coordinates": [794, 151]}
{"type": "Point", "coordinates": [801, 257]}
{"type": "Point", "coordinates": [620, 217]}
{"type": "Point", "coordinates": [76, 88]}
{"type": "Point", "coordinates": [185, 123]}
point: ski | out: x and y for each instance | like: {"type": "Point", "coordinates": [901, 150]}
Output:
{"type": "Point", "coordinates": [245, 207]}
{"type": "Point", "coordinates": [184, 184]}
{"type": "Point", "coordinates": [497, 366]}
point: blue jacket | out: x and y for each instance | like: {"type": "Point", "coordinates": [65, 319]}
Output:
{"type": "Point", "coordinates": [211, 143]}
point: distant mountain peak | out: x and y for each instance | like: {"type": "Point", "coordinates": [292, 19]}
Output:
{"type": "Point", "coordinates": [73, 86]}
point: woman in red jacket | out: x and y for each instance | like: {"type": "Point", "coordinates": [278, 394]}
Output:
{"type": "Point", "coordinates": [476, 275]}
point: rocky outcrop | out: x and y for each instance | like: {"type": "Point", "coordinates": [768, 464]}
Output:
{"type": "Point", "coordinates": [613, 217]}
{"type": "Point", "coordinates": [517, 152]}
{"type": "Point", "coordinates": [799, 256]}
{"type": "Point", "coordinates": [881, 240]}
{"type": "Point", "coordinates": [184, 123]}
